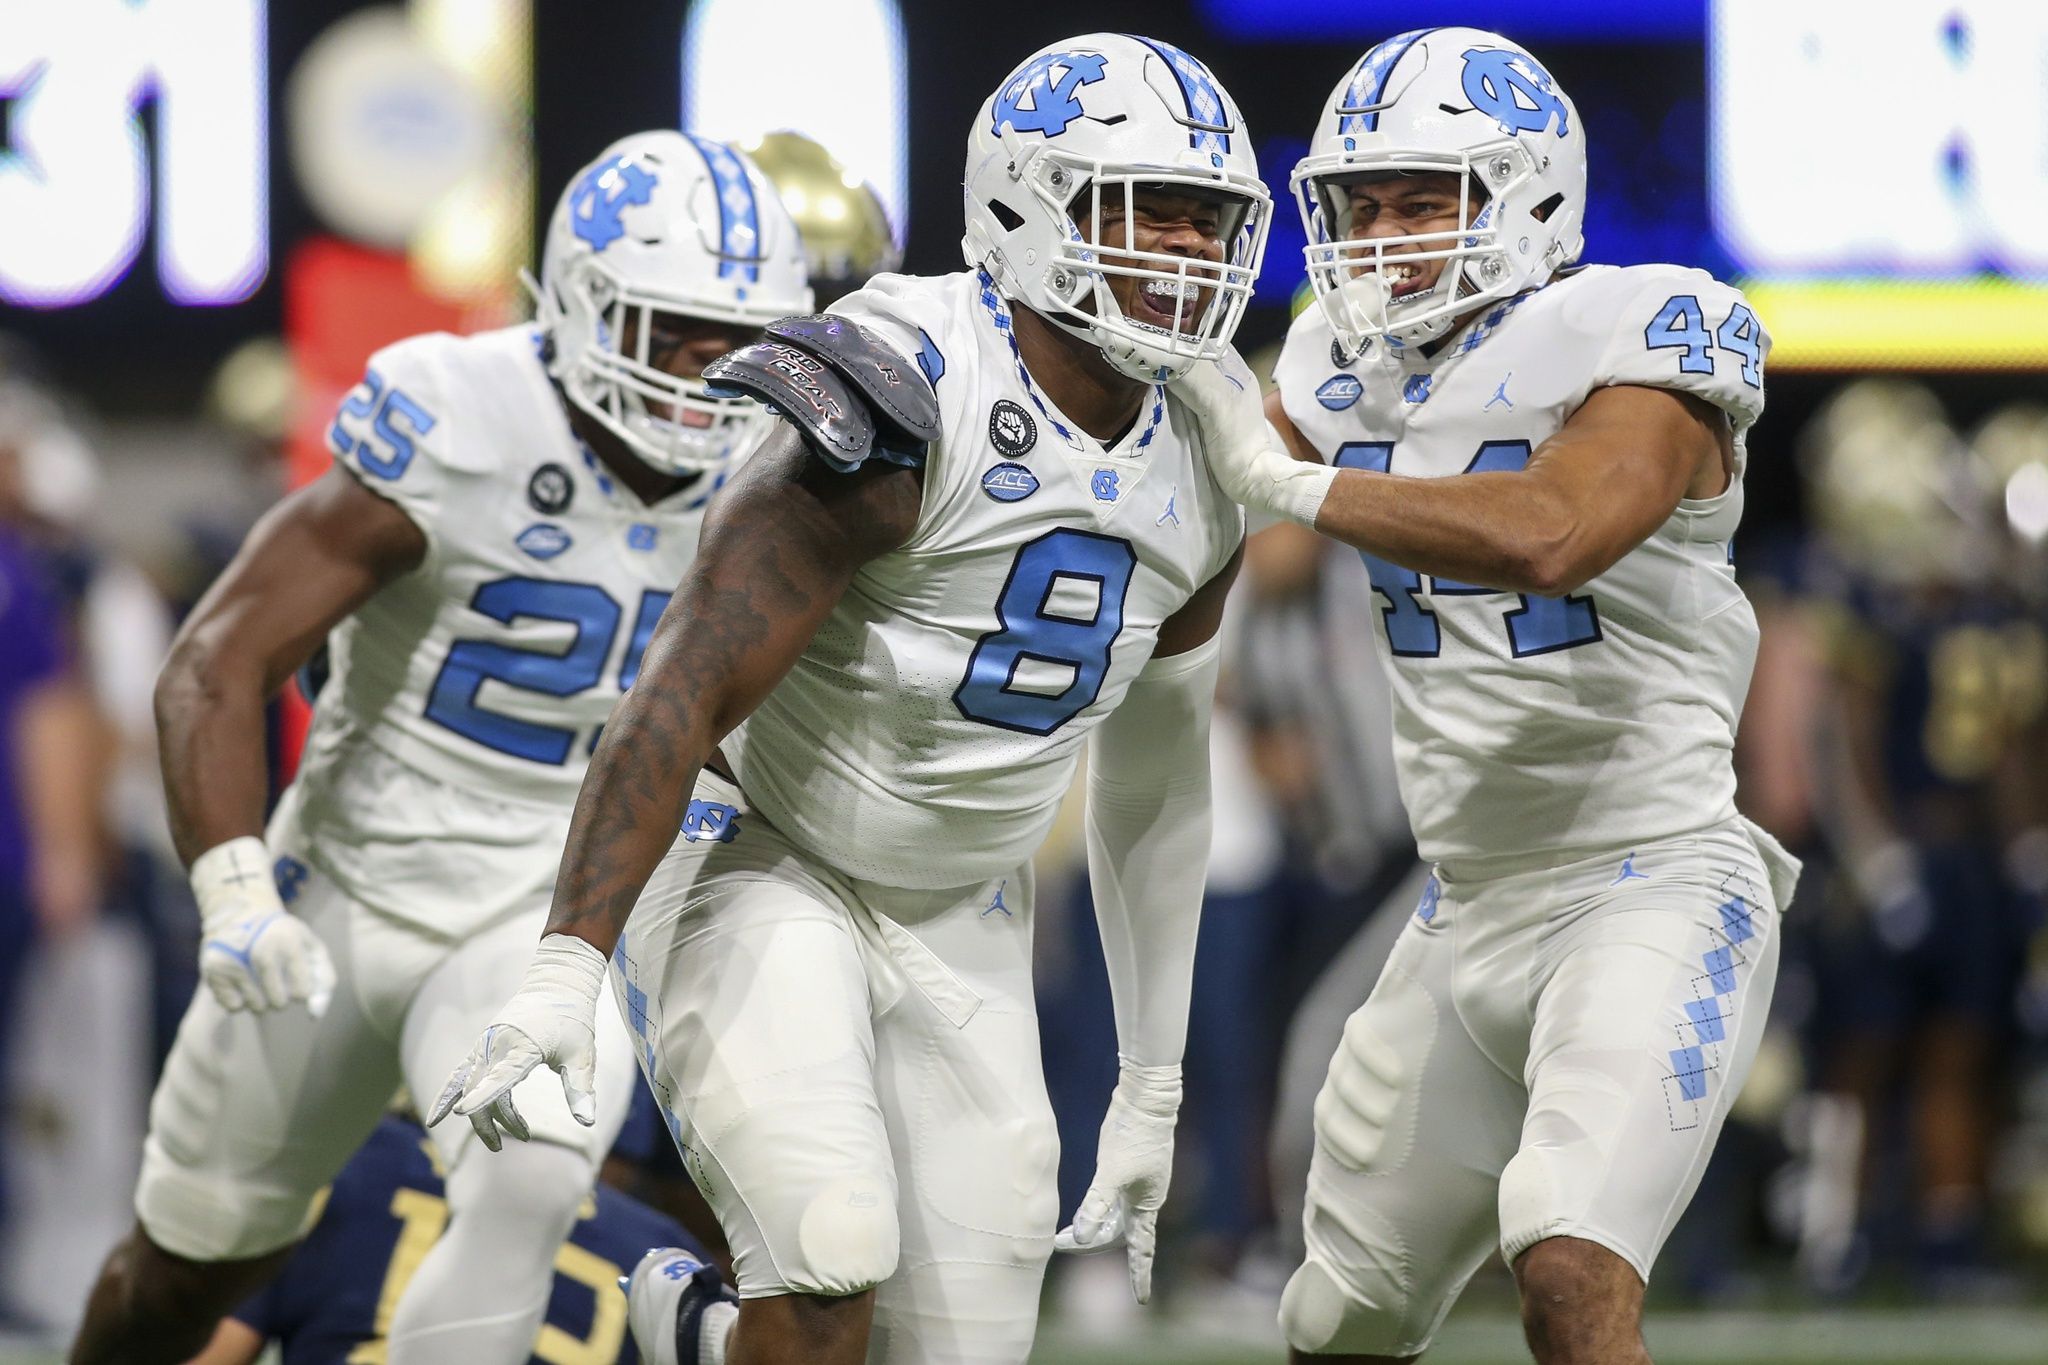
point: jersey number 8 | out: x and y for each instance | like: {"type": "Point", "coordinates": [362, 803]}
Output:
{"type": "Point", "coordinates": [1059, 611]}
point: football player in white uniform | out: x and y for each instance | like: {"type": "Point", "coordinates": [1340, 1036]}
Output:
{"type": "Point", "coordinates": [505, 518]}
{"type": "Point", "coordinates": [981, 535]}
{"type": "Point", "coordinates": [1543, 469]}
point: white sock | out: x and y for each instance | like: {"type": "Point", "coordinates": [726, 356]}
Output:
{"type": "Point", "coordinates": [479, 1296]}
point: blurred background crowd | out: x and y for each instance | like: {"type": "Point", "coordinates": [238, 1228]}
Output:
{"type": "Point", "coordinates": [211, 211]}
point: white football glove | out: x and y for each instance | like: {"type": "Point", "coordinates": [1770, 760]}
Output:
{"type": "Point", "coordinates": [1247, 456]}
{"type": "Point", "coordinates": [253, 953]}
{"type": "Point", "coordinates": [1133, 1165]}
{"type": "Point", "coordinates": [552, 1018]}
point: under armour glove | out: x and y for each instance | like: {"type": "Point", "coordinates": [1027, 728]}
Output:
{"type": "Point", "coordinates": [253, 953]}
{"type": "Point", "coordinates": [552, 1018]}
{"type": "Point", "coordinates": [1133, 1165]}
{"type": "Point", "coordinates": [1247, 457]}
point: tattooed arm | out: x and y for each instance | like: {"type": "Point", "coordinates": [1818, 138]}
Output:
{"type": "Point", "coordinates": [780, 546]}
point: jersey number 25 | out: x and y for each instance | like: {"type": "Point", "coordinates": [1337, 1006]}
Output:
{"type": "Point", "coordinates": [452, 702]}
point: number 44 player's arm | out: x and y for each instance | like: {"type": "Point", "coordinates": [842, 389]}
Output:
{"type": "Point", "coordinates": [779, 547]}
{"type": "Point", "coordinates": [1597, 489]}
{"type": "Point", "coordinates": [311, 560]}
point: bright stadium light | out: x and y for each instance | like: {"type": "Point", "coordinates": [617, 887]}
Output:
{"type": "Point", "coordinates": [75, 176]}
{"type": "Point", "coordinates": [839, 80]}
{"type": "Point", "coordinates": [1897, 224]}
{"type": "Point", "coordinates": [1816, 169]}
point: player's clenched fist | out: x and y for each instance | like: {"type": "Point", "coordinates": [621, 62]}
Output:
{"type": "Point", "coordinates": [552, 1018]}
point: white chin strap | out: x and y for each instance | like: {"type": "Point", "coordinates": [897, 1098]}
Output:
{"type": "Point", "coordinates": [1126, 355]}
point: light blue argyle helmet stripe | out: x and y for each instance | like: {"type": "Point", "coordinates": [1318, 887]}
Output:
{"type": "Point", "coordinates": [1369, 81]}
{"type": "Point", "coordinates": [739, 216]}
{"type": "Point", "coordinates": [1199, 91]}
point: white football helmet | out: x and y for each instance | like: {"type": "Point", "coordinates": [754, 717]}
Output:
{"type": "Point", "coordinates": [663, 222]}
{"type": "Point", "coordinates": [1107, 113]}
{"type": "Point", "coordinates": [1443, 99]}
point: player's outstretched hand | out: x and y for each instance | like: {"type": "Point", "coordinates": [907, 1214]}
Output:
{"type": "Point", "coordinates": [552, 1018]}
{"type": "Point", "coordinates": [1246, 455]}
{"type": "Point", "coordinates": [253, 953]}
{"type": "Point", "coordinates": [1133, 1164]}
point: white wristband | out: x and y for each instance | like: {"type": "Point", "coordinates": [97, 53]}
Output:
{"type": "Point", "coordinates": [565, 963]}
{"type": "Point", "coordinates": [228, 876]}
{"type": "Point", "coordinates": [1153, 1089]}
{"type": "Point", "coordinates": [1299, 494]}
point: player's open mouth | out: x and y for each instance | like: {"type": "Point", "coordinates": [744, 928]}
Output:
{"type": "Point", "coordinates": [1403, 280]}
{"type": "Point", "coordinates": [1154, 302]}
{"type": "Point", "coordinates": [676, 415]}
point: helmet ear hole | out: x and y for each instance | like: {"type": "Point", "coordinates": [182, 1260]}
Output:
{"type": "Point", "coordinates": [1541, 213]}
{"type": "Point", "coordinates": [1004, 214]}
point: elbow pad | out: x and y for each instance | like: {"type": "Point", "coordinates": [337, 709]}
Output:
{"type": "Point", "coordinates": [848, 392]}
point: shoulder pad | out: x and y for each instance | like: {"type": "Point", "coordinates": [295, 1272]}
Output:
{"type": "Point", "coordinates": [849, 392]}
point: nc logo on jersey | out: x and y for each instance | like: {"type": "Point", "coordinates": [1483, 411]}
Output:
{"type": "Point", "coordinates": [1104, 485]}
{"type": "Point", "coordinates": [1009, 482]}
{"type": "Point", "coordinates": [550, 490]}
{"type": "Point", "coordinates": [1339, 392]}
{"type": "Point", "coordinates": [602, 195]}
{"type": "Point", "coordinates": [543, 540]}
{"type": "Point", "coordinates": [640, 536]}
{"type": "Point", "coordinates": [710, 822]}
{"type": "Point", "coordinates": [1040, 98]}
{"type": "Point", "coordinates": [1010, 429]}
{"type": "Point", "coordinates": [1416, 390]}
{"type": "Point", "coordinates": [1513, 91]}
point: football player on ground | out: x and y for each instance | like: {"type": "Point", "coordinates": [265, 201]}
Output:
{"type": "Point", "coordinates": [1543, 468]}
{"type": "Point", "coordinates": [334, 1299]}
{"type": "Point", "coordinates": [505, 519]}
{"type": "Point", "coordinates": [980, 536]}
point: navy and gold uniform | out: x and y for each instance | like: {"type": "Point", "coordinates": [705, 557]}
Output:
{"type": "Point", "coordinates": [333, 1301]}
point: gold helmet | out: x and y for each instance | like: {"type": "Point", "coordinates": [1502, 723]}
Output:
{"type": "Point", "coordinates": [2013, 446]}
{"type": "Point", "coordinates": [1888, 483]}
{"type": "Point", "coordinates": [843, 225]}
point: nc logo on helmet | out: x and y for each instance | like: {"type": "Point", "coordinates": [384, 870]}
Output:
{"type": "Point", "coordinates": [1512, 90]}
{"type": "Point", "coordinates": [1053, 105]}
{"type": "Point", "coordinates": [602, 195]}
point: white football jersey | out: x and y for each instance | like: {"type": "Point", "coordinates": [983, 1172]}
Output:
{"type": "Point", "coordinates": [465, 697]}
{"type": "Point", "coordinates": [1530, 727]}
{"type": "Point", "coordinates": [926, 737]}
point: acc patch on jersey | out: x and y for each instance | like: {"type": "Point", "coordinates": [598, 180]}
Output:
{"type": "Point", "coordinates": [1340, 391]}
{"type": "Point", "coordinates": [1010, 429]}
{"type": "Point", "coordinates": [543, 540]}
{"type": "Point", "coordinates": [1009, 482]}
{"type": "Point", "coordinates": [550, 490]}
